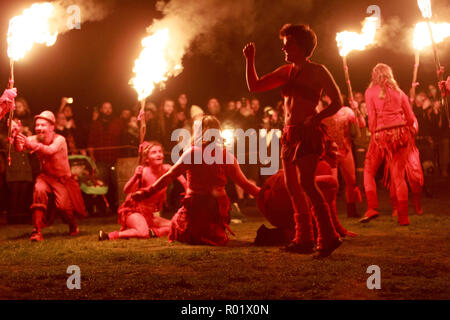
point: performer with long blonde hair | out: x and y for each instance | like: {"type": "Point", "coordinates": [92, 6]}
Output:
{"type": "Point", "coordinates": [393, 126]}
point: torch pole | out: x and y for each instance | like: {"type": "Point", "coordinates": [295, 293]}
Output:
{"type": "Point", "coordinates": [143, 125]}
{"type": "Point", "coordinates": [439, 70]}
{"type": "Point", "coordinates": [11, 112]}
{"type": "Point", "coordinates": [414, 83]}
{"type": "Point", "coordinates": [142, 128]}
{"type": "Point", "coordinates": [350, 95]}
{"type": "Point", "coordinates": [347, 79]}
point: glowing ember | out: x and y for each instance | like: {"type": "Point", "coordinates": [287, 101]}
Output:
{"type": "Point", "coordinates": [154, 64]}
{"type": "Point", "coordinates": [425, 8]}
{"type": "Point", "coordinates": [33, 26]}
{"type": "Point", "coordinates": [348, 41]}
{"type": "Point", "coordinates": [422, 35]}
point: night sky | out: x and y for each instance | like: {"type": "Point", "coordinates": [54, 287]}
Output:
{"type": "Point", "coordinates": [94, 64]}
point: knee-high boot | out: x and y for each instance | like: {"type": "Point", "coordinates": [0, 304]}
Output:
{"type": "Point", "coordinates": [303, 241]}
{"type": "Point", "coordinates": [39, 224]}
{"type": "Point", "coordinates": [403, 219]}
{"type": "Point", "coordinates": [416, 196]}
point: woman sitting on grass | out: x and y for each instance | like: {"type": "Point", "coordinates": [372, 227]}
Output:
{"type": "Point", "coordinates": [138, 218]}
{"type": "Point", "coordinates": [204, 215]}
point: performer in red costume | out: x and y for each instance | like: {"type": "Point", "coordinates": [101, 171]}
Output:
{"type": "Point", "coordinates": [7, 101]}
{"type": "Point", "coordinates": [303, 83]}
{"type": "Point", "coordinates": [138, 218]}
{"type": "Point", "coordinates": [204, 215]}
{"type": "Point", "coordinates": [55, 178]}
{"type": "Point", "coordinates": [393, 126]}
{"type": "Point", "coordinates": [341, 127]}
{"type": "Point", "coordinates": [274, 203]}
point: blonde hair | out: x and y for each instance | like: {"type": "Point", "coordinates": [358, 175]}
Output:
{"type": "Point", "coordinates": [382, 75]}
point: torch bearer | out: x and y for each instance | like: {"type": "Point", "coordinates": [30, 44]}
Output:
{"type": "Point", "coordinates": [32, 26]}
{"type": "Point", "coordinates": [348, 41]}
{"type": "Point", "coordinates": [425, 8]}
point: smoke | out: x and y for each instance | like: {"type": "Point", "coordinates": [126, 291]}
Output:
{"type": "Point", "coordinates": [394, 35]}
{"type": "Point", "coordinates": [70, 14]}
{"type": "Point", "coordinates": [191, 20]}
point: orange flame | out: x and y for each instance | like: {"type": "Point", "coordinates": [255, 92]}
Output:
{"type": "Point", "coordinates": [155, 64]}
{"type": "Point", "coordinates": [33, 26]}
{"type": "Point", "coordinates": [348, 41]}
{"type": "Point", "coordinates": [425, 8]}
{"type": "Point", "coordinates": [422, 35]}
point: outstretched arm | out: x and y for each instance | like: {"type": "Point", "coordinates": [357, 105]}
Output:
{"type": "Point", "coordinates": [176, 170]}
{"type": "Point", "coordinates": [267, 82]}
{"type": "Point", "coordinates": [238, 177]}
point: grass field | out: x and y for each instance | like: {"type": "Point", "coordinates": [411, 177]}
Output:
{"type": "Point", "coordinates": [414, 262]}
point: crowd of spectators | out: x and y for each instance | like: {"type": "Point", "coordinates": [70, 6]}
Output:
{"type": "Point", "coordinates": [107, 137]}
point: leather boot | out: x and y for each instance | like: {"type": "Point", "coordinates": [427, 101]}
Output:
{"type": "Point", "coordinates": [372, 207]}
{"type": "Point", "coordinates": [328, 238]}
{"type": "Point", "coordinates": [303, 242]}
{"type": "Point", "coordinates": [39, 224]}
{"type": "Point", "coordinates": [417, 202]}
{"type": "Point", "coordinates": [403, 219]}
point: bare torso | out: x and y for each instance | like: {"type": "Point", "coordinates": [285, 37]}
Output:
{"type": "Point", "coordinates": [54, 157]}
{"type": "Point", "coordinates": [301, 93]}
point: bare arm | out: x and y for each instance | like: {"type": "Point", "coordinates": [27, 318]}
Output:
{"type": "Point", "coordinates": [176, 170]}
{"type": "Point", "coordinates": [371, 112]}
{"type": "Point", "coordinates": [132, 184]}
{"type": "Point", "coordinates": [238, 177]}
{"type": "Point", "coordinates": [409, 114]}
{"type": "Point", "coordinates": [267, 82]}
{"type": "Point", "coordinates": [332, 90]}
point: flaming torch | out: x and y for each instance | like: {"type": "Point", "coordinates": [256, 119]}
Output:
{"type": "Point", "coordinates": [421, 40]}
{"type": "Point", "coordinates": [425, 8]}
{"type": "Point", "coordinates": [153, 67]}
{"type": "Point", "coordinates": [32, 26]}
{"type": "Point", "coordinates": [348, 41]}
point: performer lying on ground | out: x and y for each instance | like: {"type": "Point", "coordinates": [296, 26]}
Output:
{"type": "Point", "coordinates": [204, 215]}
{"type": "Point", "coordinates": [273, 201]}
{"type": "Point", "coordinates": [393, 127]}
{"type": "Point", "coordinates": [138, 218]}
{"type": "Point", "coordinates": [55, 178]}
{"type": "Point", "coordinates": [303, 83]}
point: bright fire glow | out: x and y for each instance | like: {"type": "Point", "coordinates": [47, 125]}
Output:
{"type": "Point", "coordinates": [33, 26]}
{"type": "Point", "coordinates": [348, 41]}
{"type": "Point", "coordinates": [228, 136]}
{"type": "Point", "coordinates": [425, 8]}
{"type": "Point", "coordinates": [155, 63]}
{"type": "Point", "coordinates": [422, 35]}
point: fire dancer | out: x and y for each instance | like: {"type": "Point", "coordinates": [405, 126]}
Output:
{"type": "Point", "coordinates": [204, 215]}
{"type": "Point", "coordinates": [55, 178]}
{"type": "Point", "coordinates": [138, 218]}
{"type": "Point", "coordinates": [303, 137]}
{"type": "Point", "coordinates": [393, 127]}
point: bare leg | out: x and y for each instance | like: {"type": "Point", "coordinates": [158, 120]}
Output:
{"type": "Point", "coordinates": [304, 236]}
{"type": "Point", "coordinates": [327, 235]}
{"type": "Point", "coordinates": [137, 228]}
